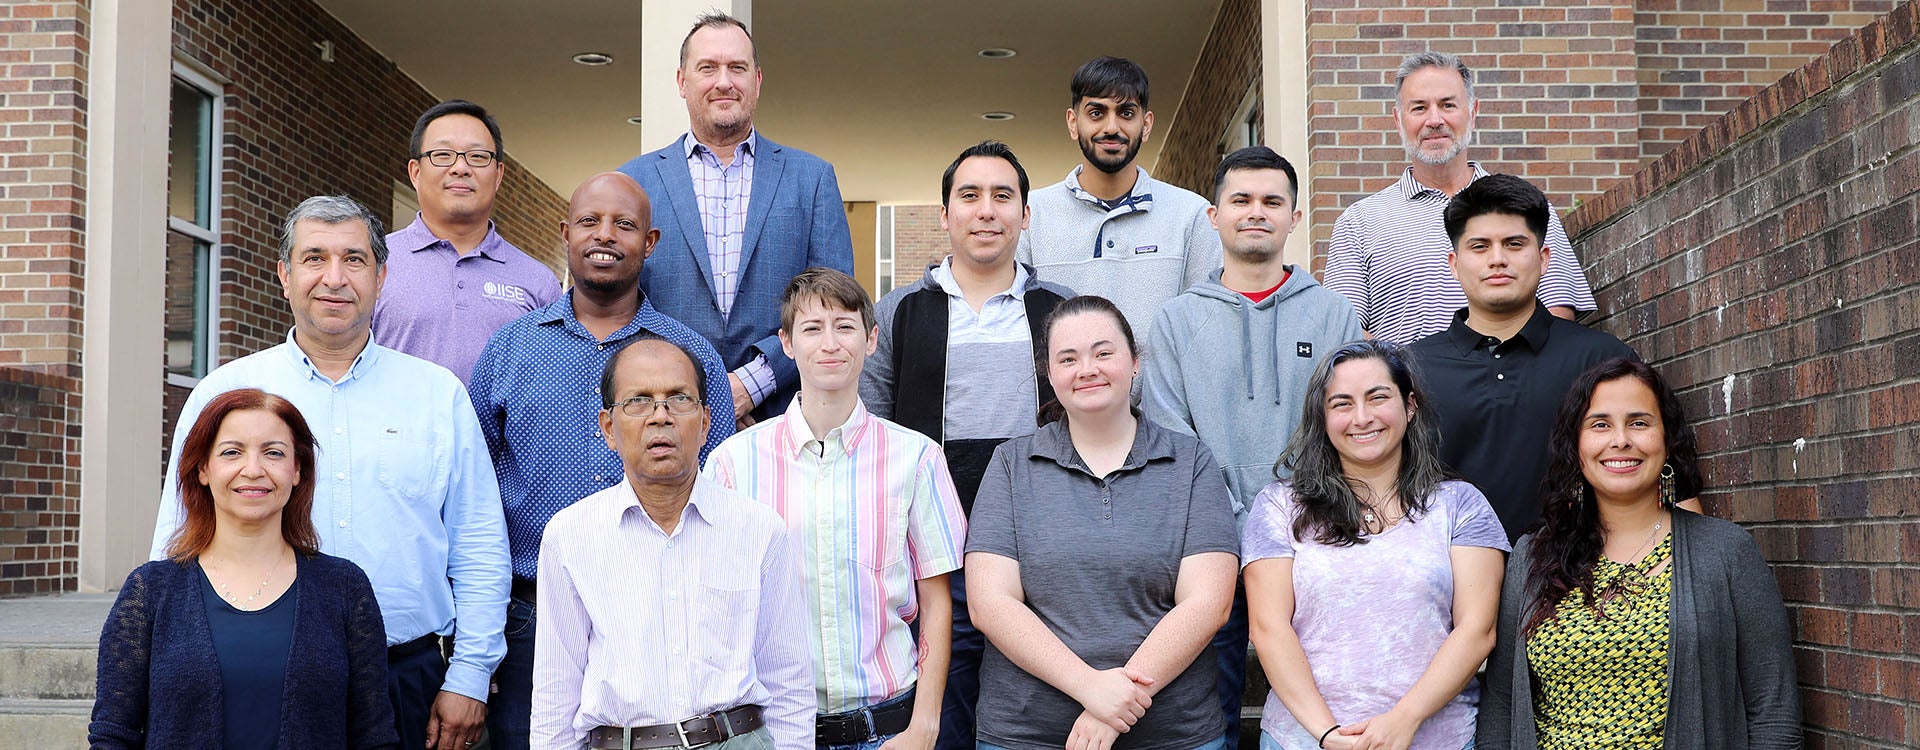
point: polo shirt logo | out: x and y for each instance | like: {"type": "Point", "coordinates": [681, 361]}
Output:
{"type": "Point", "coordinates": [506, 293]}
{"type": "Point", "coordinates": [1303, 349]}
{"type": "Point", "coordinates": [1146, 249]}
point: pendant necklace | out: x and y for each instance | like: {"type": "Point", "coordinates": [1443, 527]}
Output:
{"type": "Point", "coordinates": [227, 593]}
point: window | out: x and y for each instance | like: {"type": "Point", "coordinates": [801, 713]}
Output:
{"type": "Point", "coordinates": [1244, 129]}
{"type": "Point", "coordinates": [193, 240]}
{"type": "Point", "coordinates": [883, 252]}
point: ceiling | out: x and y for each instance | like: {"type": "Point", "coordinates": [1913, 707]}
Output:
{"type": "Point", "coordinates": [887, 90]}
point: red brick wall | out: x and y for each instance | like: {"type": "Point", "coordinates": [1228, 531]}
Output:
{"type": "Point", "coordinates": [1229, 64]}
{"type": "Point", "coordinates": [918, 242]}
{"type": "Point", "coordinates": [298, 127]}
{"type": "Point", "coordinates": [1769, 267]}
{"type": "Point", "coordinates": [1555, 79]}
{"type": "Point", "coordinates": [43, 74]}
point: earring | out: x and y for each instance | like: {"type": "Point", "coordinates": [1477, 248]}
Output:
{"type": "Point", "coordinates": [1666, 485]}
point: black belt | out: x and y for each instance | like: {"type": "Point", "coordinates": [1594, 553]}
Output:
{"type": "Point", "coordinates": [694, 732]}
{"type": "Point", "coordinates": [863, 724]}
{"type": "Point", "coordinates": [525, 590]}
{"type": "Point", "coordinates": [417, 645]}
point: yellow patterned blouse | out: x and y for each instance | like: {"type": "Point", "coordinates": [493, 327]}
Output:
{"type": "Point", "coordinates": [1601, 681]}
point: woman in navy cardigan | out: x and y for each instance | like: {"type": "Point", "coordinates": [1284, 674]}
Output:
{"type": "Point", "coordinates": [245, 636]}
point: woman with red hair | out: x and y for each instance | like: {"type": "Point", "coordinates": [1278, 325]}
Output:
{"type": "Point", "coordinates": [245, 635]}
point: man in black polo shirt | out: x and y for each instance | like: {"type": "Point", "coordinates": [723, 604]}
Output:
{"type": "Point", "coordinates": [1496, 376]}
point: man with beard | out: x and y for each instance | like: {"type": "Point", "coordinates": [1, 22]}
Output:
{"type": "Point", "coordinates": [1272, 320]}
{"type": "Point", "coordinates": [1389, 250]}
{"type": "Point", "coordinates": [739, 217]}
{"type": "Point", "coordinates": [1109, 229]}
{"type": "Point", "coordinates": [536, 392]}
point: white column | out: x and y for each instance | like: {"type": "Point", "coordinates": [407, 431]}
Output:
{"type": "Point", "coordinates": [125, 264]}
{"type": "Point", "coordinates": [663, 25]}
{"type": "Point", "coordinates": [1284, 89]}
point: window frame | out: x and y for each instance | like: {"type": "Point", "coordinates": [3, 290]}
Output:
{"type": "Point", "coordinates": [215, 91]}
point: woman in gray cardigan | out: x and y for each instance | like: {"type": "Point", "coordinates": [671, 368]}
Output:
{"type": "Point", "coordinates": [1627, 622]}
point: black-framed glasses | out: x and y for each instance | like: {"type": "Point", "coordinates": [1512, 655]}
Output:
{"type": "Point", "coordinates": [678, 404]}
{"type": "Point", "coordinates": [478, 158]}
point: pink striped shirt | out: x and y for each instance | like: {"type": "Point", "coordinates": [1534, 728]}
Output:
{"type": "Point", "coordinates": [872, 510]}
{"type": "Point", "coordinates": [641, 627]}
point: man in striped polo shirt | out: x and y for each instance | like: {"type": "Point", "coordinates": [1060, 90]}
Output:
{"type": "Point", "coordinates": [1389, 250]}
{"type": "Point", "coordinates": [874, 515]}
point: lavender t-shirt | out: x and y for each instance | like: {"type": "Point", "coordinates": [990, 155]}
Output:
{"type": "Point", "coordinates": [1371, 616]}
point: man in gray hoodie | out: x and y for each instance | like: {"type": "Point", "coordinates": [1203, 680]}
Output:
{"type": "Point", "coordinates": [1230, 357]}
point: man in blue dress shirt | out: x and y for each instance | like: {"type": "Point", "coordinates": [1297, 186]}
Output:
{"type": "Point", "coordinates": [403, 487]}
{"type": "Point", "coordinates": [536, 390]}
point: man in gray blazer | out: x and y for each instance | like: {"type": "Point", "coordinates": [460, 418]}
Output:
{"type": "Point", "coordinates": [739, 216]}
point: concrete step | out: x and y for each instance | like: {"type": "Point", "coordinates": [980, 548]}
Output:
{"type": "Point", "coordinates": [44, 723]}
{"type": "Point", "coordinates": [48, 646]}
{"type": "Point", "coordinates": [46, 672]}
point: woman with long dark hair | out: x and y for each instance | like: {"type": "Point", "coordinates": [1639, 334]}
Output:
{"type": "Point", "coordinates": [196, 654]}
{"type": "Point", "coordinates": [1100, 561]}
{"type": "Point", "coordinates": [1372, 573]}
{"type": "Point", "coordinates": [1628, 622]}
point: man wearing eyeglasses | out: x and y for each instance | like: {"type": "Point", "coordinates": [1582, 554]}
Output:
{"type": "Point", "coordinates": [452, 279]}
{"type": "Point", "coordinates": [537, 391]}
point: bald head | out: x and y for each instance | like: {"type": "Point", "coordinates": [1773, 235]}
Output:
{"type": "Point", "coordinates": [609, 233]}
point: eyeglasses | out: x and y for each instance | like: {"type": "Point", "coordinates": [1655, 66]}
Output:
{"type": "Point", "coordinates": [678, 404]}
{"type": "Point", "coordinates": [443, 157]}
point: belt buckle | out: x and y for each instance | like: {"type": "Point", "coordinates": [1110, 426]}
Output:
{"type": "Point", "coordinates": [680, 728]}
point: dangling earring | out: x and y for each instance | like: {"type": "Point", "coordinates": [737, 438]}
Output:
{"type": "Point", "coordinates": [1666, 485]}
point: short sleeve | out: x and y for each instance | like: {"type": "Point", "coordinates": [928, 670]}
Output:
{"type": "Point", "coordinates": [1474, 522]}
{"type": "Point", "coordinates": [1564, 284]}
{"type": "Point", "coordinates": [1346, 268]}
{"type": "Point", "coordinates": [1269, 531]}
{"type": "Point", "coordinates": [990, 528]}
{"type": "Point", "coordinates": [1210, 520]}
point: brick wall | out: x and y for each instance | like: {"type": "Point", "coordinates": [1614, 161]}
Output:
{"type": "Point", "coordinates": [1699, 58]}
{"type": "Point", "coordinates": [1769, 267]}
{"type": "Point", "coordinates": [1229, 65]}
{"type": "Point", "coordinates": [297, 127]}
{"type": "Point", "coordinates": [918, 242]}
{"type": "Point", "coordinates": [1555, 79]}
{"type": "Point", "coordinates": [43, 74]}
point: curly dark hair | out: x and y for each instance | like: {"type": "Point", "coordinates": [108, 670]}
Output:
{"type": "Point", "coordinates": [1568, 537]}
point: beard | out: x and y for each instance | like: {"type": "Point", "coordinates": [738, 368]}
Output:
{"type": "Point", "coordinates": [1414, 152]}
{"type": "Point", "coordinates": [1091, 149]}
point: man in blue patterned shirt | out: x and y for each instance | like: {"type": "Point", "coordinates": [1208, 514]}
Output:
{"type": "Point", "coordinates": [536, 389]}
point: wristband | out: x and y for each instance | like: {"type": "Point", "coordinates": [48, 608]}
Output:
{"type": "Point", "coordinates": [1323, 735]}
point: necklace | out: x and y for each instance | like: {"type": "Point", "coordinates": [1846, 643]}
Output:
{"type": "Point", "coordinates": [1619, 584]}
{"type": "Point", "coordinates": [227, 593]}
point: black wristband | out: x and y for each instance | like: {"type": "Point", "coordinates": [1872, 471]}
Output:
{"type": "Point", "coordinates": [1323, 735]}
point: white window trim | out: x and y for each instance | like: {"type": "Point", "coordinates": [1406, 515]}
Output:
{"type": "Point", "coordinates": [197, 76]}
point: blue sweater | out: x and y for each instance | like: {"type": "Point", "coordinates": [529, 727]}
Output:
{"type": "Point", "coordinates": [159, 680]}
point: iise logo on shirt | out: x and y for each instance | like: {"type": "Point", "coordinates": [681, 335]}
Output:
{"type": "Point", "coordinates": [506, 293]}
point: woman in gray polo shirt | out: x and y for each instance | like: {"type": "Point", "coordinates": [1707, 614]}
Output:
{"type": "Point", "coordinates": [1101, 559]}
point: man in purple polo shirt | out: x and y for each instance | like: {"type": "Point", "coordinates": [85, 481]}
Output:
{"type": "Point", "coordinates": [452, 280]}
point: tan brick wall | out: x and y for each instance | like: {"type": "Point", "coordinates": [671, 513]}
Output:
{"type": "Point", "coordinates": [918, 242]}
{"type": "Point", "coordinates": [1229, 65]}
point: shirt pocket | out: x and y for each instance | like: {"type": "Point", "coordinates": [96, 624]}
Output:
{"type": "Point", "coordinates": [408, 464]}
{"type": "Point", "coordinates": [730, 616]}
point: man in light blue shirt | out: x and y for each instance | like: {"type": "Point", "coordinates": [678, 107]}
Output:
{"type": "Point", "coordinates": [404, 487]}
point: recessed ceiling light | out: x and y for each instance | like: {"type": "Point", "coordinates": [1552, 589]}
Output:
{"type": "Point", "coordinates": [593, 59]}
{"type": "Point", "coordinates": [634, 120]}
{"type": "Point", "coordinates": [997, 53]}
{"type": "Point", "coordinates": [996, 115]}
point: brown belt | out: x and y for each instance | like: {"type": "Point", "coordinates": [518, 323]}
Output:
{"type": "Point", "coordinates": [694, 732]}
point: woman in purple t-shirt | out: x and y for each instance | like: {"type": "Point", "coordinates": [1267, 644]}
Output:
{"type": "Point", "coordinates": [1373, 577]}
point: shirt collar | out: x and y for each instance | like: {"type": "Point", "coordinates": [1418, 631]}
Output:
{"type": "Point", "coordinates": [1534, 334]}
{"type": "Point", "coordinates": [703, 505]}
{"type": "Point", "coordinates": [369, 355]}
{"type": "Point", "coordinates": [1150, 443]}
{"type": "Point", "coordinates": [1411, 188]}
{"type": "Point", "coordinates": [943, 276]}
{"type": "Point", "coordinates": [561, 311]}
{"type": "Point", "coordinates": [1142, 189]}
{"type": "Point", "coordinates": [416, 237]}
{"type": "Point", "coordinates": [796, 436]}
{"type": "Point", "coordinates": [751, 145]}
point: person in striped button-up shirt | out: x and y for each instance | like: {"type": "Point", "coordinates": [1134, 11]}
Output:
{"type": "Point", "coordinates": [876, 520]}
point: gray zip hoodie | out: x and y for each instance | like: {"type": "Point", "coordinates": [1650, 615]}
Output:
{"type": "Point", "coordinates": [1233, 373]}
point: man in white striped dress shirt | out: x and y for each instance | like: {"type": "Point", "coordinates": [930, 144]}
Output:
{"type": "Point", "coordinates": [670, 607]}
{"type": "Point", "coordinates": [1388, 252]}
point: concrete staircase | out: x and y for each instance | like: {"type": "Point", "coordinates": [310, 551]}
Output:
{"type": "Point", "coordinates": [47, 653]}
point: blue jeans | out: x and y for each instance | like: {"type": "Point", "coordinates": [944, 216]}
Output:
{"type": "Point", "coordinates": [876, 742]}
{"type": "Point", "coordinates": [1230, 649]}
{"type": "Point", "coordinates": [963, 673]}
{"type": "Point", "coordinates": [510, 708]}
